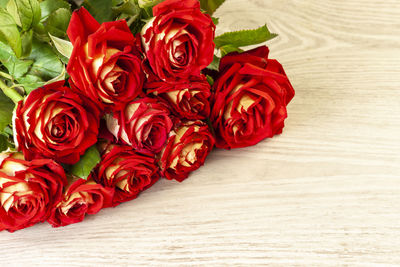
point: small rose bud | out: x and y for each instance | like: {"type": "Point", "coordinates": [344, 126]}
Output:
{"type": "Point", "coordinates": [187, 99]}
{"type": "Point", "coordinates": [144, 124]}
{"type": "Point", "coordinates": [80, 197]}
{"type": "Point", "coordinates": [128, 171]}
{"type": "Point", "coordinates": [186, 150]}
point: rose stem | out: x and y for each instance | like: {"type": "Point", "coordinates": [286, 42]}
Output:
{"type": "Point", "coordinates": [11, 93]}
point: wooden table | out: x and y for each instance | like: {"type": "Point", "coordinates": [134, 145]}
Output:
{"type": "Point", "coordinates": [325, 192]}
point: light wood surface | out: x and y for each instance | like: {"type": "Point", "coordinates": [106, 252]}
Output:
{"type": "Point", "coordinates": [325, 192]}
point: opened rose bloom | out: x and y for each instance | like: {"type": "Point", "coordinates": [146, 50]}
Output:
{"type": "Point", "coordinates": [54, 122]}
{"type": "Point", "coordinates": [28, 190]}
{"type": "Point", "coordinates": [81, 197]}
{"type": "Point", "coordinates": [178, 41]}
{"type": "Point", "coordinates": [126, 170]}
{"type": "Point", "coordinates": [187, 99]}
{"type": "Point", "coordinates": [186, 150]}
{"type": "Point", "coordinates": [105, 64]}
{"type": "Point", "coordinates": [144, 124]}
{"type": "Point", "coordinates": [249, 99]}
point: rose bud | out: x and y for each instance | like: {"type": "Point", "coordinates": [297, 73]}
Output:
{"type": "Point", "coordinates": [80, 197]}
{"type": "Point", "coordinates": [178, 41]}
{"type": "Point", "coordinates": [186, 150]}
{"type": "Point", "coordinates": [144, 125]}
{"type": "Point", "coordinates": [249, 99]}
{"type": "Point", "coordinates": [105, 64]}
{"type": "Point", "coordinates": [187, 99]}
{"type": "Point", "coordinates": [126, 170]}
{"type": "Point", "coordinates": [28, 190]}
{"type": "Point", "coordinates": [54, 122]}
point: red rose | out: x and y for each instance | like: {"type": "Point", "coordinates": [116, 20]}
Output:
{"type": "Point", "coordinates": [28, 190]}
{"type": "Point", "coordinates": [186, 150]}
{"type": "Point", "coordinates": [126, 170]}
{"type": "Point", "coordinates": [105, 63]}
{"type": "Point", "coordinates": [178, 41]}
{"type": "Point", "coordinates": [249, 99]}
{"type": "Point", "coordinates": [54, 122]}
{"type": "Point", "coordinates": [80, 197]}
{"type": "Point", "coordinates": [187, 99]}
{"type": "Point", "coordinates": [144, 124]}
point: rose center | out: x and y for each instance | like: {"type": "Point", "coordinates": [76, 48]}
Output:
{"type": "Point", "coordinates": [180, 56]}
{"type": "Point", "coordinates": [23, 206]}
{"type": "Point", "coordinates": [156, 136]}
{"type": "Point", "coordinates": [57, 131]}
{"type": "Point", "coordinates": [116, 80]}
{"type": "Point", "coordinates": [59, 126]}
{"type": "Point", "coordinates": [118, 84]}
{"type": "Point", "coordinates": [180, 52]}
{"type": "Point", "coordinates": [78, 209]}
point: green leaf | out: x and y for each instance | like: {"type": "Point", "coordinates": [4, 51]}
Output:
{"type": "Point", "coordinates": [6, 141]}
{"type": "Point", "coordinates": [13, 10]}
{"type": "Point", "coordinates": [8, 131]}
{"type": "Point", "coordinates": [210, 80]}
{"type": "Point", "coordinates": [211, 5]}
{"type": "Point", "coordinates": [46, 63]}
{"type": "Point", "coordinates": [3, 142]}
{"type": "Point", "coordinates": [117, 2]}
{"type": "Point", "coordinates": [129, 7]}
{"type": "Point", "coordinates": [30, 82]}
{"type": "Point", "coordinates": [9, 33]}
{"type": "Point", "coordinates": [215, 20]}
{"type": "Point", "coordinates": [45, 66]}
{"type": "Point", "coordinates": [64, 47]}
{"type": "Point", "coordinates": [58, 78]}
{"type": "Point", "coordinates": [86, 164]}
{"type": "Point", "coordinates": [6, 110]}
{"type": "Point", "coordinates": [3, 3]}
{"type": "Point", "coordinates": [100, 9]}
{"type": "Point", "coordinates": [40, 33]}
{"type": "Point", "coordinates": [63, 59]}
{"type": "Point", "coordinates": [49, 6]}
{"type": "Point", "coordinates": [58, 21]}
{"type": "Point", "coordinates": [226, 49]}
{"type": "Point", "coordinates": [28, 12]}
{"type": "Point", "coordinates": [148, 3]}
{"type": "Point", "coordinates": [244, 37]}
{"type": "Point", "coordinates": [16, 67]}
{"type": "Point", "coordinates": [26, 39]}
{"type": "Point", "coordinates": [214, 64]}
{"type": "Point", "coordinates": [128, 10]}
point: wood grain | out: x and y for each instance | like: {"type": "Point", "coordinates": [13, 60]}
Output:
{"type": "Point", "coordinates": [325, 192]}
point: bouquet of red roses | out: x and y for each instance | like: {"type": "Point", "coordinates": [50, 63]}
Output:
{"type": "Point", "coordinates": [99, 99]}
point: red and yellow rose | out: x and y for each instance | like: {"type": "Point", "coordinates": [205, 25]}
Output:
{"type": "Point", "coordinates": [28, 190]}
{"type": "Point", "coordinates": [106, 63]}
{"type": "Point", "coordinates": [80, 197]}
{"type": "Point", "coordinates": [178, 41]}
{"type": "Point", "coordinates": [126, 170]}
{"type": "Point", "coordinates": [144, 124]}
{"type": "Point", "coordinates": [186, 99]}
{"type": "Point", "coordinates": [249, 99]}
{"type": "Point", "coordinates": [54, 122]}
{"type": "Point", "coordinates": [186, 150]}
